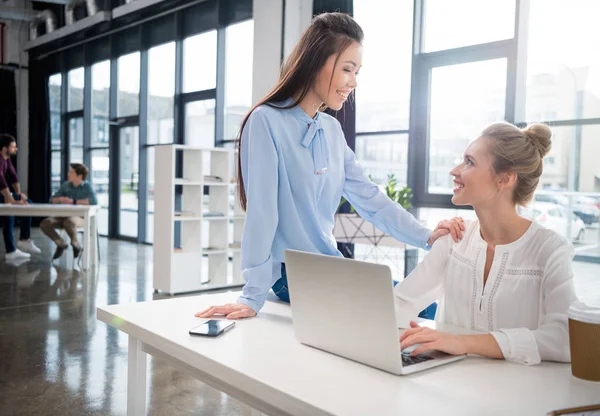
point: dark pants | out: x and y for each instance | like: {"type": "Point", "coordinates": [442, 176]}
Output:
{"type": "Point", "coordinates": [8, 223]}
{"type": "Point", "coordinates": [281, 290]}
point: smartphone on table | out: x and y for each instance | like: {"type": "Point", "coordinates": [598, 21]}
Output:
{"type": "Point", "coordinates": [212, 328]}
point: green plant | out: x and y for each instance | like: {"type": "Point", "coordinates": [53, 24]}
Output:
{"type": "Point", "coordinates": [401, 195]}
{"type": "Point", "coordinates": [342, 202]}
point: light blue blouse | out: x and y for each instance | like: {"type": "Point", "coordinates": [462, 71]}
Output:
{"type": "Point", "coordinates": [295, 171]}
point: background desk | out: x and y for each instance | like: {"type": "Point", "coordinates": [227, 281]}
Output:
{"type": "Point", "coordinates": [260, 363]}
{"type": "Point", "coordinates": [88, 212]}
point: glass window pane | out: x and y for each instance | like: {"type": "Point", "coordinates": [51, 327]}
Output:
{"type": "Point", "coordinates": [464, 99]}
{"type": "Point", "coordinates": [589, 149]}
{"type": "Point", "coordinates": [76, 155]}
{"type": "Point", "coordinates": [150, 195]}
{"type": "Point", "coordinates": [76, 81]}
{"type": "Point", "coordinates": [55, 139]}
{"type": "Point", "coordinates": [76, 132]}
{"type": "Point", "coordinates": [572, 163]}
{"type": "Point", "coordinates": [129, 85]}
{"type": "Point", "coordinates": [380, 104]}
{"type": "Point", "coordinates": [161, 88]}
{"type": "Point", "coordinates": [383, 155]}
{"type": "Point", "coordinates": [55, 167]}
{"type": "Point", "coordinates": [556, 163]}
{"type": "Point", "coordinates": [54, 94]}
{"type": "Point", "coordinates": [54, 91]}
{"type": "Point", "coordinates": [563, 75]}
{"type": "Point", "coordinates": [200, 123]}
{"type": "Point", "coordinates": [100, 103]}
{"type": "Point", "coordinates": [100, 179]}
{"type": "Point", "coordinates": [238, 83]}
{"type": "Point", "coordinates": [128, 174]}
{"type": "Point", "coordinates": [200, 62]}
{"type": "Point", "coordinates": [457, 23]}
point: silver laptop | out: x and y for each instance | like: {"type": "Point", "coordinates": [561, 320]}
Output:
{"type": "Point", "coordinates": [346, 307]}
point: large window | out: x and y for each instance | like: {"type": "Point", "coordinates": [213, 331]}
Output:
{"type": "Point", "coordinates": [161, 87]}
{"type": "Point", "coordinates": [467, 64]}
{"type": "Point", "coordinates": [563, 85]}
{"type": "Point", "coordinates": [238, 75]}
{"type": "Point", "coordinates": [143, 87]}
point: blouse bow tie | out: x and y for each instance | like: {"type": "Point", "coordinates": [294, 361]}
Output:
{"type": "Point", "coordinates": [320, 151]}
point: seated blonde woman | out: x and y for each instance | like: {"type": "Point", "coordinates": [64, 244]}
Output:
{"type": "Point", "coordinates": [508, 277]}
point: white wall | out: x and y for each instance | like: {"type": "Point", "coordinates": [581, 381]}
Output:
{"type": "Point", "coordinates": [16, 34]}
{"type": "Point", "coordinates": [267, 15]}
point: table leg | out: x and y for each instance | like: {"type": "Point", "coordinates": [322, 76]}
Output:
{"type": "Point", "coordinates": [136, 378]}
{"type": "Point", "coordinates": [86, 241]}
{"type": "Point", "coordinates": [94, 241]}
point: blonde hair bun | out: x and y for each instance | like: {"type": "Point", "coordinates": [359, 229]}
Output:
{"type": "Point", "coordinates": [541, 136]}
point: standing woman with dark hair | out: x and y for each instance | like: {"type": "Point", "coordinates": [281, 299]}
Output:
{"type": "Point", "coordinates": [294, 166]}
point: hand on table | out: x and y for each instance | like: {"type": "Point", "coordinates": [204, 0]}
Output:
{"type": "Point", "coordinates": [230, 311]}
{"type": "Point", "coordinates": [13, 201]}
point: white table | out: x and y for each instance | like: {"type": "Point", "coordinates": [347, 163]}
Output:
{"type": "Point", "coordinates": [260, 363]}
{"type": "Point", "coordinates": [88, 212]}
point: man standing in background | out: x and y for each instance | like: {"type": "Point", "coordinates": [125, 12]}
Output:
{"type": "Point", "coordinates": [8, 180]}
{"type": "Point", "coordinates": [76, 190]}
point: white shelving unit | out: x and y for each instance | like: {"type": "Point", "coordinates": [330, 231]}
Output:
{"type": "Point", "coordinates": [200, 260]}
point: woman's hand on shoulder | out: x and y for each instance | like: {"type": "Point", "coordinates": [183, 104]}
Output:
{"type": "Point", "coordinates": [454, 226]}
{"type": "Point", "coordinates": [230, 311]}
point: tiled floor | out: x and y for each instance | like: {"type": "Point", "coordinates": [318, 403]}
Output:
{"type": "Point", "coordinates": [57, 359]}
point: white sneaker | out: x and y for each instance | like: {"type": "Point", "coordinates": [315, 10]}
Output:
{"type": "Point", "coordinates": [28, 247]}
{"type": "Point", "coordinates": [17, 262]}
{"type": "Point", "coordinates": [15, 255]}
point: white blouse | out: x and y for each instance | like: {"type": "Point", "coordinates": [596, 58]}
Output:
{"type": "Point", "coordinates": [525, 299]}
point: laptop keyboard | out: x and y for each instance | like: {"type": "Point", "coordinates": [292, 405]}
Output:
{"type": "Point", "coordinates": [407, 359]}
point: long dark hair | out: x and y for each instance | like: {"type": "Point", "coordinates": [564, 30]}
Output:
{"type": "Point", "coordinates": [328, 34]}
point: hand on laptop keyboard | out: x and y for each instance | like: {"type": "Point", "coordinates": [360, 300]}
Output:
{"type": "Point", "coordinates": [432, 340]}
{"type": "Point", "coordinates": [407, 359]}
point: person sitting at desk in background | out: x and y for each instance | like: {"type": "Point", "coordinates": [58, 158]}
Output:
{"type": "Point", "coordinates": [75, 190]}
{"type": "Point", "coordinates": [509, 276]}
{"type": "Point", "coordinates": [294, 165]}
{"type": "Point", "coordinates": [9, 179]}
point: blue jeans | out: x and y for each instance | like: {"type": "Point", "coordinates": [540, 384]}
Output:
{"type": "Point", "coordinates": [8, 224]}
{"type": "Point", "coordinates": [281, 290]}
{"type": "Point", "coordinates": [281, 286]}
